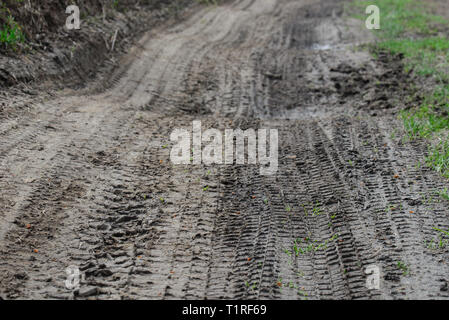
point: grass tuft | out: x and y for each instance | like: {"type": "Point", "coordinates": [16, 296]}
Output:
{"type": "Point", "coordinates": [11, 34]}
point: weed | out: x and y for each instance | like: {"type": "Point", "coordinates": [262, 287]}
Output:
{"type": "Point", "coordinates": [444, 193]}
{"type": "Point", "coordinates": [403, 267]}
{"type": "Point", "coordinates": [305, 210]}
{"type": "Point", "coordinates": [440, 243]}
{"type": "Point", "coordinates": [11, 34]}
{"type": "Point", "coordinates": [438, 158]}
{"type": "Point", "coordinates": [390, 208]}
{"type": "Point", "coordinates": [442, 231]}
{"type": "Point", "coordinates": [427, 199]}
{"type": "Point", "coordinates": [316, 209]}
{"type": "Point", "coordinates": [291, 285]}
{"type": "Point", "coordinates": [302, 293]}
{"type": "Point", "coordinates": [305, 245]}
{"type": "Point", "coordinates": [115, 4]}
{"type": "Point", "coordinates": [254, 287]}
{"type": "Point", "coordinates": [393, 134]}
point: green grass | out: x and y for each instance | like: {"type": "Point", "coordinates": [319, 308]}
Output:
{"type": "Point", "coordinates": [305, 245]}
{"type": "Point", "coordinates": [444, 193]}
{"type": "Point", "coordinates": [438, 158]}
{"type": "Point", "coordinates": [441, 242]}
{"type": "Point", "coordinates": [403, 267]}
{"type": "Point", "coordinates": [315, 211]}
{"type": "Point", "coordinates": [399, 17]}
{"type": "Point", "coordinates": [442, 231]}
{"type": "Point", "coordinates": [428, 56]}
{"type": "Point", "coordinates": [426, 120]}
{"type": "Point", "coordinates": [408, 28]}
{"type": "Point", "coordinates": [437, 244]}
{"type": "Point", "coordinates": [11, 33]}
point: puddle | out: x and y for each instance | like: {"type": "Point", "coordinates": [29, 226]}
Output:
{"type": "Point", "coordinates": [322, 47]}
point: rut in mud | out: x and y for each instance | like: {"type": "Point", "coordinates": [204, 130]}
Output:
{"type": "Point", "coordinates": [87, 181]}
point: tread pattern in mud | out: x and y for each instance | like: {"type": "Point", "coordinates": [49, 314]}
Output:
{"type": "Point", "coordinates": [87, 180]}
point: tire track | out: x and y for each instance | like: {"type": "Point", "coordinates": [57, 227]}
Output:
{"type": "Point", "coordinates": [103, 196]}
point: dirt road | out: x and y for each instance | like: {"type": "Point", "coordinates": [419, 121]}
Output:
{"type": "Point", "coordinates": [87, 181]}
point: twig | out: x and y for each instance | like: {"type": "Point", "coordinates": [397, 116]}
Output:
{"type": "Point", "coordinates": [113, 41]}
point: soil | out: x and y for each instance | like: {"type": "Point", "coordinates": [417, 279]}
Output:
{"type": "Point", "coordinates": [87, 181]}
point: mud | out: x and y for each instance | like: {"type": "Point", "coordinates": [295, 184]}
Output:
{"type": "Point", "coordinates": [87, 181]}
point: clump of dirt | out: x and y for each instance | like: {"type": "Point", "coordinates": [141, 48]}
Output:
{"type": "Point", "coordinates": [388, 91]}
{"type": "Point", "coordinates": [391, 88]}
{"type": "Point", "coordinates": [72, 57]}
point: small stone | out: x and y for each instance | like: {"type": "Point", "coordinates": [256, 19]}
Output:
{"type": "Point", "coordinates": [87, 292]}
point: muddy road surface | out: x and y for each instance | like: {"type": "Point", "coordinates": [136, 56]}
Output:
{"type": "Point", "coordinates": [86, 178]}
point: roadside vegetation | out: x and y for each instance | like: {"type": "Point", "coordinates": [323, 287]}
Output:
{"type": "Point", "coordinates": [408, 28]}
{"type": "Point", "coordinates": [11, 33]}
{"type": "Point", "coordinates": [23, 23]}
